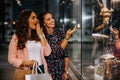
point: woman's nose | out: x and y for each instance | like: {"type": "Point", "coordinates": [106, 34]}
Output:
{"type": "Point", "coordinates": [52, 20]}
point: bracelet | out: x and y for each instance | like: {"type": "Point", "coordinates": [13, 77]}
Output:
{"type": "Point", "coordinates": [66, 72]}
{"type": "Point", "coordinates": [42, 36]}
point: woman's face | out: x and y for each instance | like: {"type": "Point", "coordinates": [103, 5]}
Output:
{"type": "Point", "coordinates": [32, 21]}
{"type": "Point", "coordinates": [49, 21]}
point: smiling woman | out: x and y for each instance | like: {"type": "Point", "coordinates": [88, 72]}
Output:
{"type": "Point", "coordinates": [33, 21]}
{"type": "Point", "coordinates": [58, 60]}
{"type": "Point", "coordinates": [27, 46]}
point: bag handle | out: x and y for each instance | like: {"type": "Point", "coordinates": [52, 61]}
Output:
{"type": "Point", "coordinates": [35, 67]}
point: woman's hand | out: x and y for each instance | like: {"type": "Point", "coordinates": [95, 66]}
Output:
{"type": "Point", "coordinates": [70, 32]}
{"type": "Point", "coordinates": [39, 29]}
{"type": "Point", "coordinates": [28, 63]}
{"type": "Point", "coordinates": [65, 76]}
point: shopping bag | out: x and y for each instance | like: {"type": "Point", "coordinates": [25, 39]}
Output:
{"type": "Point", "coordinates": [43, 76]}
{"type": "Point", "coordinates": [36, 76]}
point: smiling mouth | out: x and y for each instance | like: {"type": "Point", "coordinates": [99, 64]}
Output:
{"type": "Point", "coordinates": [52, 24]}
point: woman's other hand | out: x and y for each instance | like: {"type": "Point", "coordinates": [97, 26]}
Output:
{"type": "Point", "coordinates": [70, 32]}
{"type": "Point", "coordinates": [65, 76]}
{"type": "Point", "coordinates": [28, 63]}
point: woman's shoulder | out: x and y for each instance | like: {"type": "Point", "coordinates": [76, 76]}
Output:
{"type": "Point", "coordinates": [14, 36]}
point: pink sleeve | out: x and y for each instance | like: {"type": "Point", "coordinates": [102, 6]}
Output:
{"type": "Point", "coordinates": [12, 52]}
{"type": "Point", "coordinates": [47, 50]}
{"type": "Point", "coordinates": [44, 63]}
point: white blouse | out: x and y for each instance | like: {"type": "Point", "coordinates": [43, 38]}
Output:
{"type": "Point", "coordinates": [34, 51]}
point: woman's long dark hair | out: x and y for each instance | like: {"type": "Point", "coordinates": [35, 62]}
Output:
{"type": "Point", "coordinates": [22, 29]}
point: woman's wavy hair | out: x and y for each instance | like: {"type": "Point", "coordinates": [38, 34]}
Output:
{"type": "Point", "coordinates": [22, 29]}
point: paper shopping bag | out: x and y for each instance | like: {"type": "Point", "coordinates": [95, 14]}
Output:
{"type": "Point", "coordinates": [43, 76]}
{"type": "Point", "coordinates": [36, 76]}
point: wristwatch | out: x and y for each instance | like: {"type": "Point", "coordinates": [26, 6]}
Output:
{"type": "Point", "coordinates": [66, 72]}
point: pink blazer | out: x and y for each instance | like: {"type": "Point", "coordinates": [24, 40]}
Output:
{"type": "Point", "coordinates": [15, 57]}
